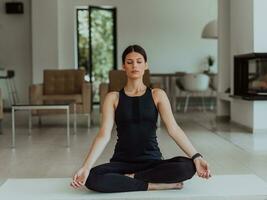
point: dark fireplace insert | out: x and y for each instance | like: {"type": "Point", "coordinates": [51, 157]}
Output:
{"type": "Point", "coordinates": [250, 76]}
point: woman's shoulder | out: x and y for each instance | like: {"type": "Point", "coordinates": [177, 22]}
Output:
{"type": "Point", "coordinates": [158, 92]}
{"type": "Point", "coordinates": [113, 95]}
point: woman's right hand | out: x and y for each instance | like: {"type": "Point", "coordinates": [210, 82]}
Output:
{"type": "Point", "coordinates": [80, 177]}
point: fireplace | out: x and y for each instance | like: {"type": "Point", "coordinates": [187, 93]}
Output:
{"type": "Point", "coordinates": [250, 76]}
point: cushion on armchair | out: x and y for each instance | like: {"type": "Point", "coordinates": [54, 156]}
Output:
{"type": "Point", "coordinates": [63, 82]}
{"type": "Point", "coordinates": [63, 86]}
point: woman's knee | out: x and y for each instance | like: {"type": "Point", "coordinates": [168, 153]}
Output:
{"type": "Point", "coordinates": [97, 179]}
{"type": "Point", "coordinates": [189, 168]}
{"type": "Point", "coordinates": [93, 179]}
{"type": "Point", "coordinates": [98, 170]}
{"type": "Point", "coordinates": [93, 183]}
{"type": "Point", "coordinates": [186, 170]}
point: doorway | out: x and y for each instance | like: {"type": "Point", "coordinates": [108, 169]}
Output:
{"type": "Point", "coordinates": [97, 44]}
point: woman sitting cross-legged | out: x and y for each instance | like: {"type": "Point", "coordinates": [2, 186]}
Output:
{"type": "Point", "coordinates": [137, 163]}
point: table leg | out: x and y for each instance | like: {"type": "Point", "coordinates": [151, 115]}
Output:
{"type": "Point", "coordinates": [9, 92]}
{"type": "Point", "coordinates": [75, 118]}
{"type": "Point", "coordinates": [30, 122]}
{"type": "Point", "coordinates": [68, 127]}
{"type": "Point", "coordinates": [13, 128]}
{"type": "Point", "coordinates": [89, 120]}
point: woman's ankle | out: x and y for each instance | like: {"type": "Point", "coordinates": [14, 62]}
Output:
{"type": "Point", "coordinates": [151, 186]}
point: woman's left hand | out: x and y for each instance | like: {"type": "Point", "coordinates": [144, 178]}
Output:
{"type": "Point", "coordinates": [202, 168]}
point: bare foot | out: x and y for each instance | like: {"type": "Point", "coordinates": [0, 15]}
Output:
{"type": "Point", "coordinates": [129, 175]}
{"type": "Point", "coordinates": [165, 186]}
{"type": "Point", "coordinates": [161, 186]}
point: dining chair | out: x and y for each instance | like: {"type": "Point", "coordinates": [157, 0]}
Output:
{"type": "Point", "coordinates": [195, 84]}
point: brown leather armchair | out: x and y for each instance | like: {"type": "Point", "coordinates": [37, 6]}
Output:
{"type": "Point", "coordinates": [63, 86]}
{"type": "Point", "coordinates": [1, 111]}
{"type": "Point", "coordinates": [117, 80]}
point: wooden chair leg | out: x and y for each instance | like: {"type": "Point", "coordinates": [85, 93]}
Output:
{"type": "Point", "coordinates": [89, 120]}
{"type": "Point", "coordinates": [40, 121]}
{"type": "Point", "coordinates": [203, 103]}
{"type": "Point", "coordinates": [186, 102]}
{"type": "Point", "coordinates": [1, 127]}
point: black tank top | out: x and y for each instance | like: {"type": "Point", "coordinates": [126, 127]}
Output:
{"type": "Point", "coordinates": [136, 121]}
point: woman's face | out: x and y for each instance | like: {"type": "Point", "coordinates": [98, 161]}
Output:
{"type": "Point", "coordinates": [134, 65]}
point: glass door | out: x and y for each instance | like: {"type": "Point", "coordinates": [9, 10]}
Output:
{"type": "Point", "coordinates": [99, 55]}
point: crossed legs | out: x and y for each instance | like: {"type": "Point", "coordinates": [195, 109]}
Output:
{"type": "Point", "coordinates": [124, 176]}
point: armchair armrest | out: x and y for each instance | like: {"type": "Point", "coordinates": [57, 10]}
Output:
{"type": "Point", "coordinates": [36, 93]}
{"type": "Point", "coordinates": [87, 97]}
{"type": "Point", "coordinates": [103, 90]}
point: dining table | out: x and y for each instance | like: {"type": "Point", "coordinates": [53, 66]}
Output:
{"type": "Point", "coordinates": [169, 85]}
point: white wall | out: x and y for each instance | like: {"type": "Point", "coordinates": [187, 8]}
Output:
{"type": "Point", "coordinates": [15, 49]}
{"type": "Point", "coordinates": [242, 112]}
{"type": "Point", "coordinates": [241, 27]}
{"type": "Point", "coordinates": [224, 72]}
{"type": "Point", "coordinates": [260, 28]}
{"type": "Point", "coordinates": [241, 34]}
{"type": "Point", "coordinates": [45, 52]}
{"type": "Point", "coordinates": [247, 35]}
{"type": "Point", "coordinates": [169, 30]}
{"type": "Point", "coordinates": [259, 119]}
{"type": "Point", "coordinates": [235, 22]}
{"type": "Point", "coordinates": [250, 114]}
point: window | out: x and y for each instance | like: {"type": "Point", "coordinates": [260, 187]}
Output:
{"type": "Point", "coordinates": [97, 44]}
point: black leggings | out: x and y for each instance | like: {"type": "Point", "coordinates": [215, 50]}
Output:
{"type": "Point", "coordinates": [110, 177]}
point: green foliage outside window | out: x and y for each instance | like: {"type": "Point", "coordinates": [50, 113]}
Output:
{"type": "Point", "coordinates": [83, 39]}
{"type": "Point", "coordinates": [102, 45]}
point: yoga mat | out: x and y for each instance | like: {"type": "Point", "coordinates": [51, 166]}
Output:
{"type": "Point", "coordinates": [217, 187]}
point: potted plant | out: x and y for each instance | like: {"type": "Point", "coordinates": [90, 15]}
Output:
{"type": "Point", "coordinates": [210, 60]}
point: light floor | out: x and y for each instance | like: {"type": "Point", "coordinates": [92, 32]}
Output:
{"type": "Point", "coordinates": [227, 148]}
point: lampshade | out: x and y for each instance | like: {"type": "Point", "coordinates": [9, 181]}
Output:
{"type": "Point", "coordinates": [210, 31]}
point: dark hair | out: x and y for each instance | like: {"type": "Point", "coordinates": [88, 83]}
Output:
{"type": "Point", "coordinates": [134, 48]}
